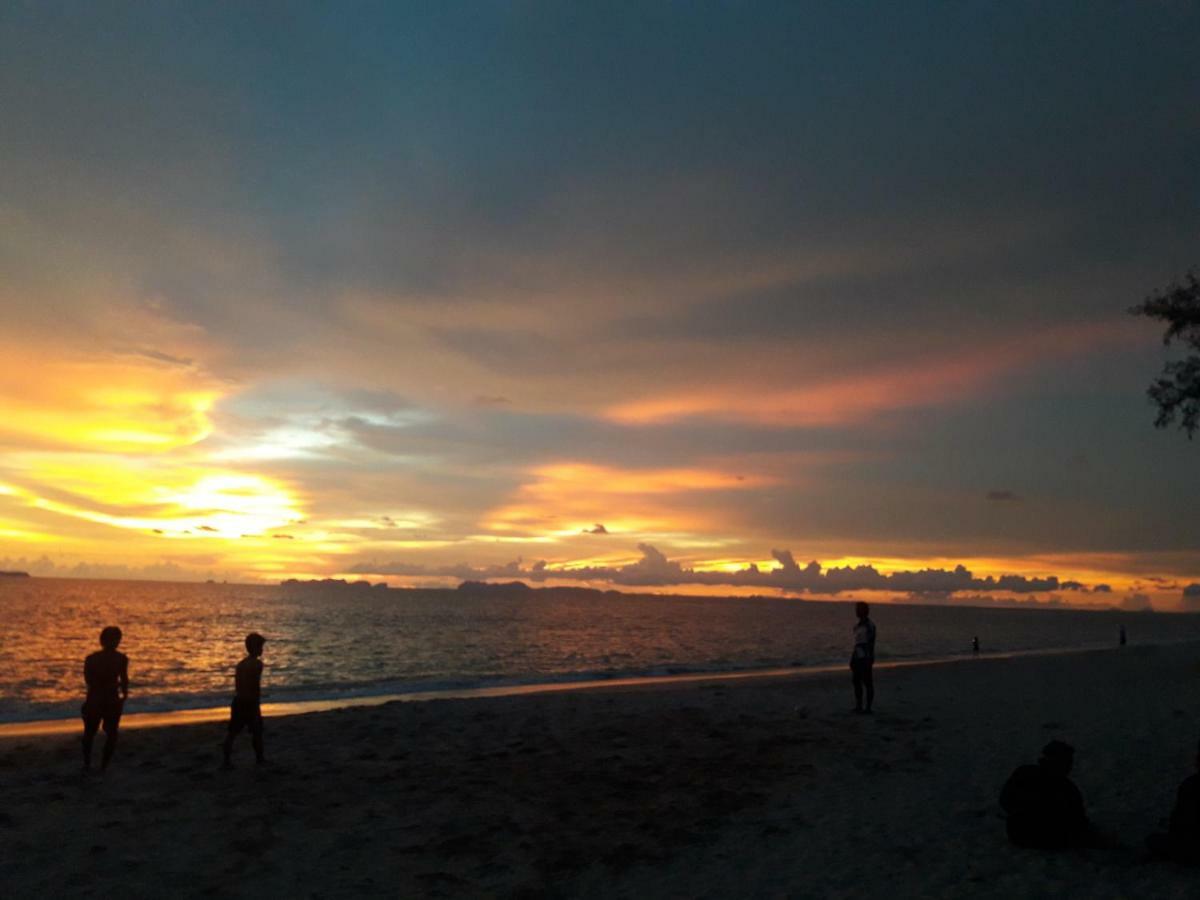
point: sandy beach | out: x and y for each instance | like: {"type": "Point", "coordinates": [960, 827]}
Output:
{"type": "Point", "coordinates": [756, 788]}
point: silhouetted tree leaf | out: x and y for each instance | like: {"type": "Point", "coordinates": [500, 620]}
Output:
{"type": "Point", "coordinates": [1176, 392]}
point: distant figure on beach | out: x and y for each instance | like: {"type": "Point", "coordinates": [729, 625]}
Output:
{"type": "Point", "coordinates": [246, 709]}
{"type": "Point", "coordinates": [1121, 635]}
{"type": "Point", "coordinates": [1045, 808]}
{"type": "Point", "coordinates": [106, 673]}
{"type": "Point", "coordinates": [975, 644]}
{"type": "Point", "coordinates": [1181, 842]}
{"type": "Point", "coordinates": [862, 658]}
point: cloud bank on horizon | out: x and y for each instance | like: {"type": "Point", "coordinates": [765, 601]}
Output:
{"type": "Point", "coordinates": [654, 569]}
{"type": "Point", "coordinates": [458, 283]}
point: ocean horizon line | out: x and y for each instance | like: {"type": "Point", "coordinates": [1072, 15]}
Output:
{"type": "Point", "coordinates": [515, 587]}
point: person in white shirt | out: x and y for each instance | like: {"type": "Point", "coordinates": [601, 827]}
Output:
{"type": "Point", "coordinates": [862, 659]}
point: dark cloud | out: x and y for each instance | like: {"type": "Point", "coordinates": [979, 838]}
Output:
{"type": "Point", "coordinates": [597, 529]}
{"type": "Point", "coordinates": [164, 570]}
{"type": "Point", "coordinates": [1190, 597]}
{"type": "Point", "coordinates": [655, 569]}
{"type": "Point", "coordinates": [1002, 496]}
{"type": "Point", "coordinates": [943, 598]}
{"type": "Point", "coordinates": [160, 356]}
{"type": "Point", "coordinates": [1083, 588]}
{"type": "Point", "coordinates": [1136, 602]}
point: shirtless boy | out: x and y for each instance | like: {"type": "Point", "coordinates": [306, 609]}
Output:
{"type": "Point", "coordinates": [245, 709]}
{"type": "Point", "coordinates": [106, 673]}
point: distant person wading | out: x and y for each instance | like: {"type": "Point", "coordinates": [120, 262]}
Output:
{"type": "Point", "coordinates": [862, 659]}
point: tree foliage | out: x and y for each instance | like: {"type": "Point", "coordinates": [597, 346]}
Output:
{"type": "Point", "coordinates": [1176, 392]}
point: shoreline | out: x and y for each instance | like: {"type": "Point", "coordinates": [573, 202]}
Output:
{"type": "Point", "coordinates": [754, 787]}
{"type": "Point", "coordinates": [208, 714]}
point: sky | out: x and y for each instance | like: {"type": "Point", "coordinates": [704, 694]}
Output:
{"type": "Point", "coordinates": [662, 296]}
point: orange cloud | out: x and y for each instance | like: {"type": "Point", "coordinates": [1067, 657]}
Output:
{"type": "Point", "coordinates": [126, 402]}
{"type": "Point", "coordinates": [846, 399]}
{"type": "Point", "coordinates": [566, 498]}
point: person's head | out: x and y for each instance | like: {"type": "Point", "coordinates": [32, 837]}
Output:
{"type": "Point", "coordinates": [110, 637]}
{"type": "Point", "coordinates": [861, 609]}
{"type": "Point", "coordinates": [1058, 757]}
{"type": "Point", "coordinates": [254, 643]}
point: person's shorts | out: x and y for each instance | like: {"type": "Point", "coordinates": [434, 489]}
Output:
{"type": "Point", "coordinates": [101, 712]}
{"type": "Point", "coordinates": [243, 713]}
{"type": "Point", "coordinates": [861, 666]}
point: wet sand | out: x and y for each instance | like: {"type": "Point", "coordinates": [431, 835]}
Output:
{"type": "Point", "coordinates": [741, 788]}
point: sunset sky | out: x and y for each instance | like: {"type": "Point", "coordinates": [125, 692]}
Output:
{"type": "Point", "coordinates": [653, 292]}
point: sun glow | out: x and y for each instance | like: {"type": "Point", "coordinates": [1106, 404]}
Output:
{"type": "Point", "coordinates": [151, 496]}
{"type": "Point", "coordinates": [230, 505]}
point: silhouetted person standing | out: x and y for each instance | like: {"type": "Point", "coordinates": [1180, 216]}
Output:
{"type": "Point", "coordinates": [1121, 635]}
{"type": "Point", "coordinates": [106, 673]}
{"type": "Point", "coordinates": [975, 644]}
{"type": "Point", "coordinates": [862, 659]}
{"type": "Point", "coordinates": [246, 709]}
{"type": "Point", "coordinates": [1044, 807]}
{"type": "Point", "coordinates": [1182, 840]}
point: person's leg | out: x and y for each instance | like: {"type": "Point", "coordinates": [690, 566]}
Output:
{"type": "Point", "coordinates": [868, 677]}
{"type": "Point", "coordinates": [856, 676]}
{"type": "Point", "coordinates": [91, 724]}
{"type": "Point", "coordinates": [111, 727]}
{"type": "Point", "coordinates": [236, 724]}
{"type": "Point", "coordinates": [256, 736]}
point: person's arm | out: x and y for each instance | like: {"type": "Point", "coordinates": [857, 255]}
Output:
{"type": "Point", "coordinates": [1008, 794]}
{"type": "Point", "coordinates": [1076, 813]}
{"type": "Point", "coordinates": [124, 677]}
{"type": "Point", "coordinates": [256, 677]}
{"type": "Point", "coordinates": [1185, 817]}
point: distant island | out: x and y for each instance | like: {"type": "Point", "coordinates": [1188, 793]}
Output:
{"type": "Point", "coordinates": [339, 584]}
{"type": "Point", "coordinates": [508, 589]}
{"type": "Point", "coordinates": [517, 590]}
{"type": "Point", "coordinates": [14, 574]}
{"type": "Point", "coordinates": [488, 587]}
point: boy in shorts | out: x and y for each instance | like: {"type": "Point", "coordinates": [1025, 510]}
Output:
{"type": "Point", "coordinates": [245, 709]}
{"type": "Point", "coordinates": [106, 673]}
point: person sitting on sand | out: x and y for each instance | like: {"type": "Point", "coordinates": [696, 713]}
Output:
{"type": "Point", "coordinates": [1045, 808]}
{"type": "Point", "coordinates": [862, 658]}
{"type": "Point", "coordinates": [106, 673]}
{"type": "Point", "coordinates": [245, 709]}
{"type": "Point", "coordinates": [1181, 842]}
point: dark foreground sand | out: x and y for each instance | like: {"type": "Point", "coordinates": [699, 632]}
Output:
{"type": "Point", "coordinates": [739, 789]}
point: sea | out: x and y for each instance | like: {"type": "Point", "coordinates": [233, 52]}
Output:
{"type": "Point", "coordinates": [334, 643]}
